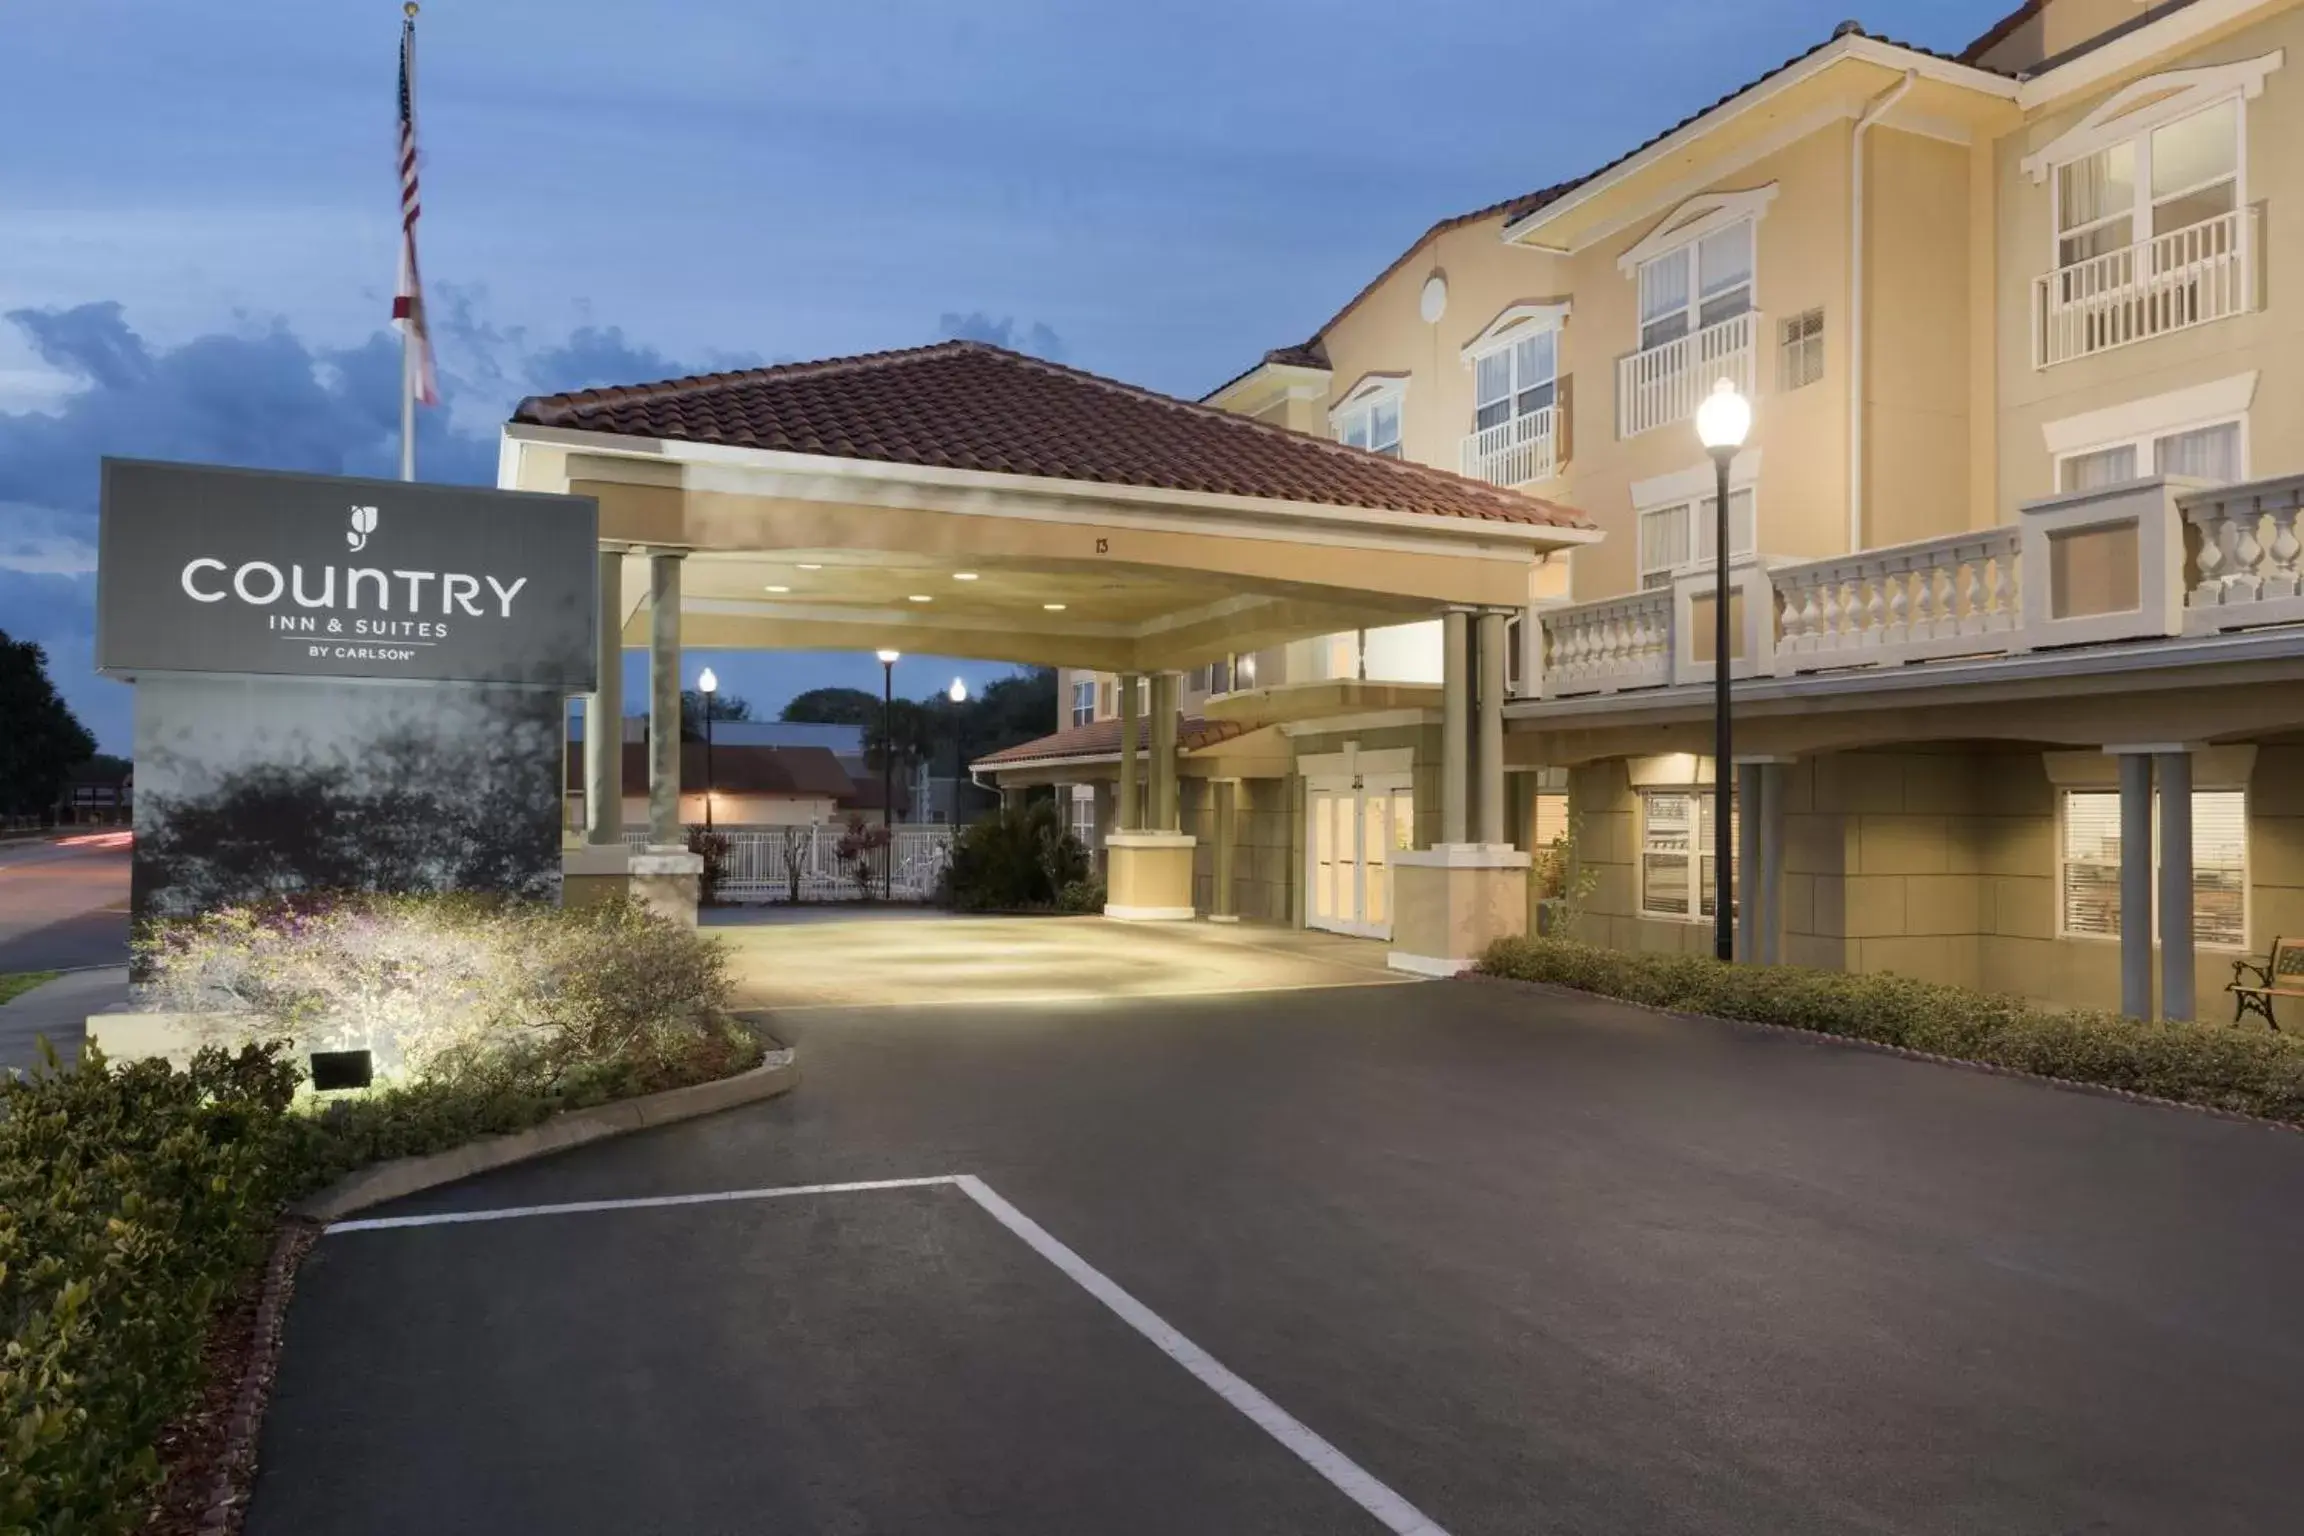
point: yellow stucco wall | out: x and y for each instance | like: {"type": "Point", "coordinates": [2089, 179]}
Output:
{"type": "Point", "coordinates": [2266, 342]}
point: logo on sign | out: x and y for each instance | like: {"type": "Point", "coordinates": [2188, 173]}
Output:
{"type": "Point", "coordinates": [363, 524]}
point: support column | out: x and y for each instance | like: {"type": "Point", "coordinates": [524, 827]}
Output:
{"type": "Point", "coordinates": [1128, 818]}
{"type": "Point", "coordinates": [2136, 885]}
{"type": "Point", "coordinates": [1223, 905]}
{"type": "Point", "coordinates": [604, 714]}
{"type": "Point", "coordinates": [1491, 754]}
{"type": "Point", "coordinates": [1455, 685]}
{"type": "Point", "coordinates": [1770, 815]}
{"type": "Point", "coordinates": [1750, 799]}
{"type": "Point", "coordinates": [1162, 816]}
{"type": "Point", "coordinates": [664, 702]}
{"type": "Point", "coordinates": [2176, 954]}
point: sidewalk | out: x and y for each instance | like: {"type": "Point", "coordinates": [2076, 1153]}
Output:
{"type": "Point", "coordinates": [60, 1011]}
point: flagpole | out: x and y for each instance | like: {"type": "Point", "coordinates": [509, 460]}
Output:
{"type": "Point", "coordinates": [408, 329]}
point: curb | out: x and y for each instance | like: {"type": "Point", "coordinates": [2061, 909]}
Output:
{"type": "Point", "coordinates": [779, 1074]}
{"type": "Point", "coordinates": [1878, 1047]}
{"type": "Point", "coordinates": [226, 1504]}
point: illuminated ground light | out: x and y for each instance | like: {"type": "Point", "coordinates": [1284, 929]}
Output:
{"type": "Point", "coordinates": [1053, 607]}
{"type": "Point", "coordinates": [963, 575]}
{"type": "Point", "coordinates": [921, 597]}
{"type": "Point", "coordinates": [779, 589]}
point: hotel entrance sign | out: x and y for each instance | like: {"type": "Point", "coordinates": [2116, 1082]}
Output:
{"type": "Point", "coordinates": [250, 572]}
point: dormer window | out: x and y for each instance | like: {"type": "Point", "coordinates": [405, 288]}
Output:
{"type": "Point", "coordinates": [1370, 415]}
{"type": "Point", "coordinates": [1698, 285]}
{"type": "Point", "coordinates": [1515, 380]}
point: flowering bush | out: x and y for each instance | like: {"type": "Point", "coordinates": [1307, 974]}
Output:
{"type": "Point", "coordinates": [855, 850]}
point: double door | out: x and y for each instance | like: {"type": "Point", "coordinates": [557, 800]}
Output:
{"type": "Point", "coordinates": [1354, 827]}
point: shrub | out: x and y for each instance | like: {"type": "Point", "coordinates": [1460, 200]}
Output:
{"type": "Point", "coordinates": [1082, 896]}
{"type": "Point", "coordinates": [855, 850]}
{"type": "Point", "coordinates": [712, 847]}
{"type": "Point", "coordinates": [1021, 860]}
{"type": "Point", "coordinates": [445, 988]}
{"type": "Point", "coordinates": [2250, 1071]}
{"type": "Point", "coordinates": [132, 1200]}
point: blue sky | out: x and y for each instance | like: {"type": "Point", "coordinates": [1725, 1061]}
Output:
{"type": "Point", "coordinates": [197, 219]}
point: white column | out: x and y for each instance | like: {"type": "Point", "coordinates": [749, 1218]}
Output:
{"type": "Point", "coordinates": [2136, 885]}
{"type": "Point", "coordinates": [1128, 818]}
{"type": "Point", "coordinates": [1770, 814]}
{"type": "Point", "coordinates": [604, 714]}
{"type": "Point", "coordinates": [2175, 883]}
{"type": "Point", "coordinates": [1454, 686]}
{"type": "Point", "coordinates": [1750, 918]}
{"type": "Point", "coordinates": [1491, 759]}
{"type": "Point", "coordinates": [664, 701]}
{"type": "Point", "coordinates": [1162, 817]}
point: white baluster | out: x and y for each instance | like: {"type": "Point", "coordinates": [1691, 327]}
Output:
{"type": "Point", "coordinates": [1924, 601]}
{"type": "Point", "coordinates": [1969, 582]}
{"type": "Point", "coordinates": [2215, 528]}
{"type": "Point", "coordinates": [1875, 609]}
{"type": "Point", "coordinates": [2244, 583]}
{"type": "Point", "coordinates": [2282, 579]}
{"type": "Point", "coordinates": [1794, 591]}
{"type": "Point", "coordinates": [1898, 578]}
{"type": "Point", "coordinates": [2003, 589]}
{"type": "Point", "coordinates": [1828, 619]}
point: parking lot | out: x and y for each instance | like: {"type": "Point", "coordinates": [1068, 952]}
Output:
{"type": "Point", "coordinates": [1345, 1260]}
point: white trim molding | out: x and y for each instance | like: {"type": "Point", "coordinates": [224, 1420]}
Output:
{"type": "Point", "coordinates": [1367, 389]}
{"type": "Point", "coordinates": [2145, 104]}
{"type": "Point", "coordinates": [1517, 321]}
{"type": "Point", "coordinates": [1700, 482]}
{"type": "Point", "coordinates": [2126, 51]}
{"type": "Point", "coordinates": [2152, 416]}
{"type": "Point", "coordinates": [1694, 219]}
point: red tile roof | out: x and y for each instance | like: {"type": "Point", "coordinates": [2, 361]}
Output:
{"type": "Point", "coordinates": [1101, 738]}
{"type": "Point", "coordinates": [968, 405]}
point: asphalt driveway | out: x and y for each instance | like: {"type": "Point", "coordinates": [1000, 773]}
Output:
{"type": "Point", "coordinates": [1527, 1263]}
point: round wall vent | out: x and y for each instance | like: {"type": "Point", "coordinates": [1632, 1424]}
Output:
{"type": "Point", "coordinates": [1433, 303]}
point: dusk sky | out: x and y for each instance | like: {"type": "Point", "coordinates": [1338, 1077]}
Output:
{"type": "Point", "coordinates": [198, 207]}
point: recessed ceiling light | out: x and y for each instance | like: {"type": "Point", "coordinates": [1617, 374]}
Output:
{"type": "Point", "coordinates": [779, 589]}
{"type": "Point", "coordinates": [806, 567]}
{"type": "Point", "coordinates": [922, 597]}
{"type": "Point", "coordinates": [963, 575]}
{"type": "Point", "coordinates": [1053, 607]}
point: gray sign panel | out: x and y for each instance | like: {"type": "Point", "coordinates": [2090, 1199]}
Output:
{"type": "Point", "coordinates": [248, 571]}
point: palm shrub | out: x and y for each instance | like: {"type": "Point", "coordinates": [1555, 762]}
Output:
{"type": "Point", "coordinates": [2248, 1071]}
{"type": "Point", "coordinates": [1023, 859]}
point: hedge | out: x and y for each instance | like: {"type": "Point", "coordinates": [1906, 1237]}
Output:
{"type": "Point", "coordinates": [136, 1199]}
{"type": "Point", "coordinates": [2246, 1071]}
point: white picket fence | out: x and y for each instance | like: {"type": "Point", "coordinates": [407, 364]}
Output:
{"type": "Point", "coordinates": [761, 861]}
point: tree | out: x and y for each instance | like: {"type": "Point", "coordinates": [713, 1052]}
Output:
{"type": "Point", "coordinates": [834, 706]}
{"type": "Point", "coordinates": [40, 739]}
{"type": "Point", "coordinates": [914, 727]}
{"type": "Point", "coordinates": [724, 706]}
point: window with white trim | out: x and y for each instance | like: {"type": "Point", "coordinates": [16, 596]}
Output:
{"type": "Point", "coordinates": [1083, 700]}
{"type": "Point", "coordinates": [1372, 423]}
{"type": "Point", "coordinates": [2164, 179]}
{"type": "Point", "coordinates": [2216, 451]}
{"type": "Point", "coordinates": [1682, 537]}
{"type": "Point", "coordinates": [1677, 872]}
{"type": "Point", "coordinates": [1696, 285]}
{"type": "Point", "coordinates": [1800, 351]}
{"type": "Point", "coordinates": [2088, 868]}
{"type": "Point", "coordinates": [1515, 380]}
{"type": "Point", "coordinates": [1083, 814]}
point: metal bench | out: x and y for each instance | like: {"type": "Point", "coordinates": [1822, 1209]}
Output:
{"type": "Point", "coordinates": [2278, 974]}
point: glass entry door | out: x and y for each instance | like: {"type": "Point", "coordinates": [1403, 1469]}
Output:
{"type": "Point", "coordinates": [1354, 827]}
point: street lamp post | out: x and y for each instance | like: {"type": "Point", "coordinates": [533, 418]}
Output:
{"type": "Point", "coordinates": [1722, 422]}
{"type": "Point", "coordinates": [708, 685]}
{"type": "Point", "coordinates": [888, 769]}
{"type": "Point", "coordinates": [958, 694]}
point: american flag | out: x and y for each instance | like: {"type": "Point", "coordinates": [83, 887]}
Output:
{"type": "Point", "coordinates": [408, 301]}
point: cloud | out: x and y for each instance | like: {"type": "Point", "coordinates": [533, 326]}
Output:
{"type": "Point", "coordinates": [259, 396]}
{"type": "Point", "coordinates": [1037, 338]}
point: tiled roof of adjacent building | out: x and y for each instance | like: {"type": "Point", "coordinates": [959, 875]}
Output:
{"type": "Point", "coordinates": [971, 406]}
{"type": "Point", "coordinates": [1101, 738]}
{"type": "Point", "coordinates": [736, 770]}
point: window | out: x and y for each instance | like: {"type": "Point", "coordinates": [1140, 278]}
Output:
{"type": "Point", "coordinates": [1800, 350]}
{"type": "Point", "coordinates": [1676, 864]}
{"type": "Point", "coordinates": [1372, 422]}
{"type": "Point", "coordinates": [1515, 381]}
{"type": "Point", "coordinates": [1216, 677]}
{"type": "Point", "coordinates": [1697, 285]}
{"type": "Point", "coordinates": [2090, 867]}
{"type": "Point", "coordinates": [1083, 814]}
{"type": "Point", "coordinates": [1083, 701]}
{"type": "Point", "coordinates": [1679, 538]}
{"type": "Point", "coordinates": [2215, 452]}
{"type": "Point", "coordinates": [2165, 179]}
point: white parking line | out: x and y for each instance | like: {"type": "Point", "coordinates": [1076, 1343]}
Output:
{"type": "Point", "coordinates": [1348, 1476]}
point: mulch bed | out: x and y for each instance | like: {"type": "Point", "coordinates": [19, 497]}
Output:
{"type": "Point", "coordinates": [210, 1453]}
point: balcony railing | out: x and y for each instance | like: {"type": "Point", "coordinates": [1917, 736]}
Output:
{"type": "Point", "coordinates": [2171, 282]}
{"type": "Point", "coordinates": [1665, 384]}
{"type": "Point", "coordinates": [1513, 452]}
{"type": "Point", "coordinates": [2145, 562]}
